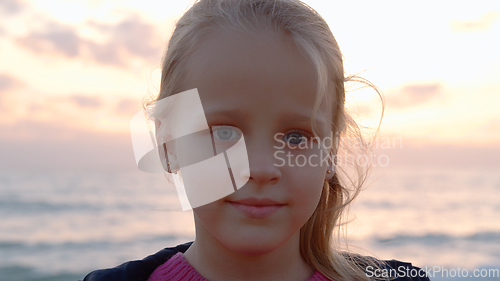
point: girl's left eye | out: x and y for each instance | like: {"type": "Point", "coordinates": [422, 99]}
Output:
{"type": "Point", "coordinates": [296, 137]}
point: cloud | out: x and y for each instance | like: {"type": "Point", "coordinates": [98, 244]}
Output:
{"type": "Point", "coordinates": [130, 37]}
{"type": "Point", "coordinates": [127, 106]}
{"type": "Point", "coordinates": [488, 130]}
{"type": "Point", "coordinates": [86, 101]}
{"type": "Point", "coordinates": [482, 24]}
{"type": "Point", "coordinates": [105, 53]}
{"type": "Point", "coordinates": [413, 95]}
{"type": "Point", "coordinates": [493, 125]}
{"type": "Point", "coordinates": [11, 7]}
{"type": "Point", "coordinates": [60, 39]}
{"type": "Point", "coordinates": [133, 34]}
{"type": "Point", "coordinates": [7, 83]}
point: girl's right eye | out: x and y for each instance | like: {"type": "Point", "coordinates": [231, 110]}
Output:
{"type": "Point", "coordinates": [225, 133]}
{"type": "Point", "coordinates": [225, 137]}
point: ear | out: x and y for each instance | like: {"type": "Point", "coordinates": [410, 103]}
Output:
{"type": "Point", "coordinates": [167, 157]}
{"type": "Point", "coordinates": [330, 169]}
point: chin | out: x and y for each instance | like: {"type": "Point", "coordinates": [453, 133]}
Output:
{"type": "Point", "coordinates": [255, 244]}
{"type": "Point", "coordinates": [252, 249]}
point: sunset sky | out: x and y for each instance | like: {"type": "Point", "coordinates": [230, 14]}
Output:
{"type": "Point", "coordinates": [73, 73]}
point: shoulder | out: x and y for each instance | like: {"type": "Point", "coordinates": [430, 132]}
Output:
{"type": "Point", "coordinates": [393, 270]}
{"type": "Point", "coordinates": [138, 270]}
{"type": "Point", "coordinates": [397, 271]}
{"type": "Point", "coordinates": [407, 271]}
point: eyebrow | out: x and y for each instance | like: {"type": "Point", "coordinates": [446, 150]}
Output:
{"type": "Point", "coordinates": [302, 118]}
{"type": "Point", "coordinates": [234, 114]}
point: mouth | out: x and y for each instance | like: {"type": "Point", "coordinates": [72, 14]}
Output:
{"type": "Point", "coordinates": [257, 208]}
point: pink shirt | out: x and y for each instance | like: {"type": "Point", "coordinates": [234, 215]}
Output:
{"type": "Point", "coordinates": [177, 268]}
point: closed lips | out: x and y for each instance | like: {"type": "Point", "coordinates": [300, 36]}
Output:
{"type": "Point", "coordinates": [257, 208]}
{"type": "Point", "coordinates": [257, 202]}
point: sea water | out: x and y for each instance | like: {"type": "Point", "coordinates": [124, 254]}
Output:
{"type": "Point", "coordinates": [62, 225]}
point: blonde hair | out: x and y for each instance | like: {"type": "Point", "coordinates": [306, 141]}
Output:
{"type": "Point", "coordinates": [312, 35]}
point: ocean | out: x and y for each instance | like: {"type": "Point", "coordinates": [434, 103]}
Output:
{"type": "Point", "coordinates": [62, 225]}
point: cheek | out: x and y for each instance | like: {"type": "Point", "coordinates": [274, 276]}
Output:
{"type": "Point", "coordinates": [306, 188]}
{"type": "Point", "coordinates": [209, 215]}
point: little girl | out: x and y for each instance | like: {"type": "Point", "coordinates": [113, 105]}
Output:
{"type": "Point", "coordinates": [268, 72]}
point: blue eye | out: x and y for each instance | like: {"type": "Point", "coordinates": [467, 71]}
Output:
{"type": "Point", "coordinates": [225, 133]}
{"type": "Point", "coordinates": [295, 138]}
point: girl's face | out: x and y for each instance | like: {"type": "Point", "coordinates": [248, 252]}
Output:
{"type": "Point", "coordinates": [265, 88]}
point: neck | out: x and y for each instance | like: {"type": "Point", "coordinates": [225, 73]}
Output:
{"type": "Point", "coordinates": [215, 261]}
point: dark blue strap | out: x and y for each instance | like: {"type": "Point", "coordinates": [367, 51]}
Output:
{"type": "Point", "coordinates": [138, 270]}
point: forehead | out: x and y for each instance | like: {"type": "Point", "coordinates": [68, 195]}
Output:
{"type": "Point", "coordinates": [265, 72]}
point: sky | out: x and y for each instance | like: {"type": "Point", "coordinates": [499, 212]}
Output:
{"type": "Point", "coordinates": [73, 73]}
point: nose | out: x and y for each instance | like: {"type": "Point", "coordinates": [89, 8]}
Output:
{"type": "Point", "coordinates": [262, 162]}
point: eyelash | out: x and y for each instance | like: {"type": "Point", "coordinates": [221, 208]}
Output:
{"type": "Point", "coordinates": [306, 134]}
